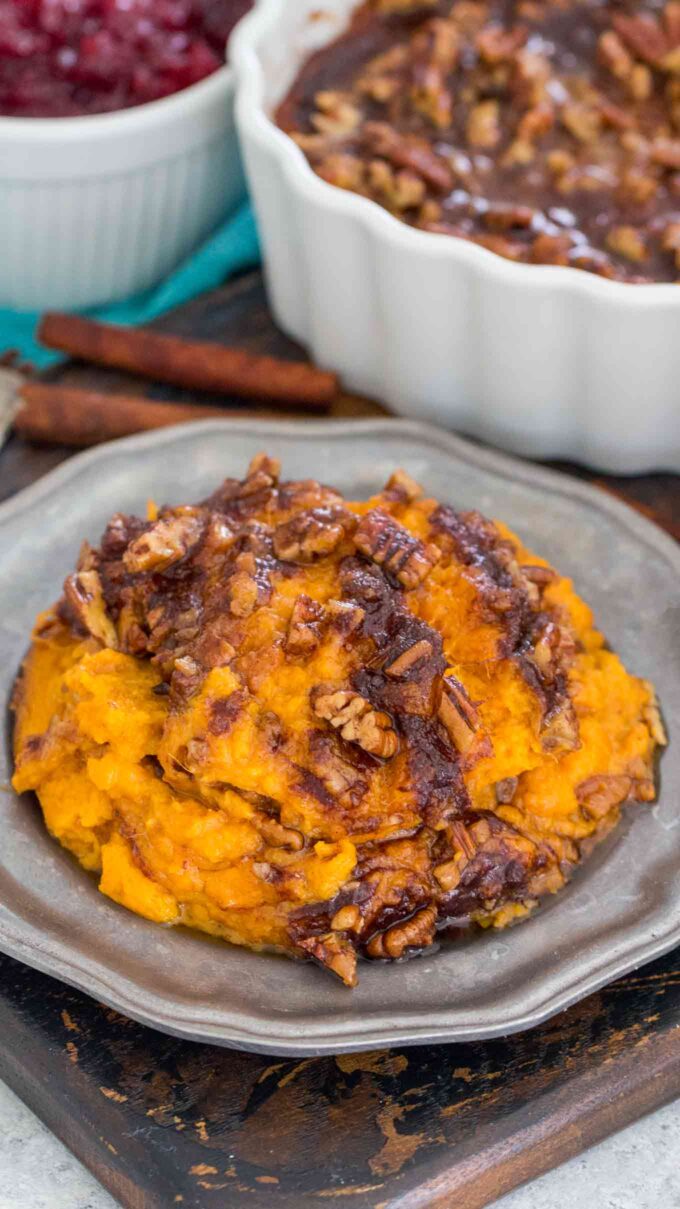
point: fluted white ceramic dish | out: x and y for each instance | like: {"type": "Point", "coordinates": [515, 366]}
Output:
{"type": "Point", "coordinates": [542, 360]}
{"type": "Point", "coordinates": [96, 208]}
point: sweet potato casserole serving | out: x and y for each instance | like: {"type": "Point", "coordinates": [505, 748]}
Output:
{"type": "Point", "coordinates": [332, 728]}
{"type": "Point", "coordinates": [546, 130]}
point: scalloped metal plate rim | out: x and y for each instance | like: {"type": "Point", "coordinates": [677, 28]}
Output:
{"type": "Point", "coordinates": [325, 1022]}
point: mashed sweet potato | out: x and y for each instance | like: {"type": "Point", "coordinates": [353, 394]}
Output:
{"type": "Point", "coordinates": [332, 728]}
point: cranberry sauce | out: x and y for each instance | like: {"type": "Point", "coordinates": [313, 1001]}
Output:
{"type": "Point", "coordinates": [62, 58]}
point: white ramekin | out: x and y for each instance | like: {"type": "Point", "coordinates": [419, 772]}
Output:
{"type": "Point", "coordinates": [542, 360]}
{"type": "Point", "coordinates": [96, 208]}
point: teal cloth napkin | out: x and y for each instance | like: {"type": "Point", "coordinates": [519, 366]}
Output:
{"type": "Point", "coordinates": [231, 249]}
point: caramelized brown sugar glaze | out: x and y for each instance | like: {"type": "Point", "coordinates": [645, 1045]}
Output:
{"type": "Point", "coordinates": [327, 726]}
{"type": "Point", "coordinates": [546, 130]}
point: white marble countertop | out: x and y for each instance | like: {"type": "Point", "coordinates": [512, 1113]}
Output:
{"type": "Point", "coordinates": [638, 1168]}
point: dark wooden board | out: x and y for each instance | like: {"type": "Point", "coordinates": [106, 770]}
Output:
{"type": "Point", "coordinates": [164, 1122]}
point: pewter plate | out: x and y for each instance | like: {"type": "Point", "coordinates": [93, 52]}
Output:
{"type": "Point", "coordinates": [621, 909]}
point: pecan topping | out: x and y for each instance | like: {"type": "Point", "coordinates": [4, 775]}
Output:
{"type": "Point", "coordinates": [393, 548]}
{"type": "Point", "coordinates": [306, 701]}
{"type": "Point", "coordinates": [357, 721]}
{"type": "Point", "coordinates": [438, 109]}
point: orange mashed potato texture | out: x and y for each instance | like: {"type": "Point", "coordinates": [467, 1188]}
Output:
{"type": "Point", "coordinates": [327, 727]}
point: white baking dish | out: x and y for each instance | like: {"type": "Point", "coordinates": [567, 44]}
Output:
{"type": "Point", "coordinates": [542, 360]}
{"type": "Point", "coordinates": [96, 208]}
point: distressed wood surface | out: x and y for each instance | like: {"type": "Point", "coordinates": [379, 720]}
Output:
{"type": "Point", "coordinates": [164, 1122]}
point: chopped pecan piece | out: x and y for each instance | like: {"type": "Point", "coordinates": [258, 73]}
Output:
{"type": "Point", "coordinates": [344, 616]}
{"type": "Point", "coordinates": [357, 720]}
{"type": "Point", "coordinates": [392, 547]}
{"type": "Point", "coordinates": [312, 534]}
{"type": "Point", "coordinates": [416, 933]}
{"type": "Point", "coordinates": [483, 128]}
{"type": "Point", "coordinates": [666, 152]}
{"type": "Point", "coordinates": [304, 628]}
{"type": "Point", "coordinates": [448, 874]}
{"type": "Point", "coordinates": [614, 55]}
{"type": "Point", "coordinates": [400, 486]}
{"type": "Point", "coordinates": [561, 731]}
{"type": "Point", "coordinates": [503, 216]}
{"type": "Point", "coordinates": [167, 541]}
{"type": "Point", "coordinates": [277, 836]}
{"type": "Point", "coordinates": [409, 659]}
{"type": "Point", "coordinates": [652, 716]}
{"type": "Point", "coordinates": [640, 82]}
{"type": "Point", "coordinates": [627, 242]}
{"type": "Point", "coordinates": [643, 35]}
{"type": "Point", "coordinates": [335, 953]}
{"type": "Point", "coordinates": [262, 464]}
{"type": "Point", "coordinates": [458, 714]}
{"type": "Point", "coordinates": [85, 598]}
{"type": "Point", "coordinates": [246, 590]}
{"type": "Point", "coordinates": [347, 919]}
{"type": "Point", "coordinates": [212, 647]}
{"type": "Point", "coordinates": [498, 45]}
{"type": "Point", "coordinates": [506, 790]}
{"type": "Point", "coordinates": [400, 191]}
{"type": "Point", "coordinates": [403, 152]}
{"type": "Point", "coordinates": [600, 794]}
{"type": "Point", "coordinates": [537, 574]}
{"type": "Point", "coordinates": [336, 115]}
{"type": "Point", "coordinates": [551, 249]}
{"type": "Point", "coordinates": [583, 121]}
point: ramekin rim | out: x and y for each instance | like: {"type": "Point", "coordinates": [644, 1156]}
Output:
{"type": "Point", "coordinates": [253, 114]}
{"type": "Point", "coordinates": [148, 114]}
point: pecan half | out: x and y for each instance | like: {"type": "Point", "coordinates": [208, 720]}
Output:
{"type": "Point", "coordinates": [416, 933]}
{"type": "Point", "coordinates": [392, 547]}
{"type": "Point", "coordinates": [357, 721]}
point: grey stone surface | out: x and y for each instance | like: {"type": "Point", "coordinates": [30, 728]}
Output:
{"type": "Point", "coordinates": [638, 1168]}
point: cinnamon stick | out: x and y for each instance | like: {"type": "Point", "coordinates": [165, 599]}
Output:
{"type": "Point", "coordinates": [195, 364]}
{"type": "Point", "coordinates": [65, 416]}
